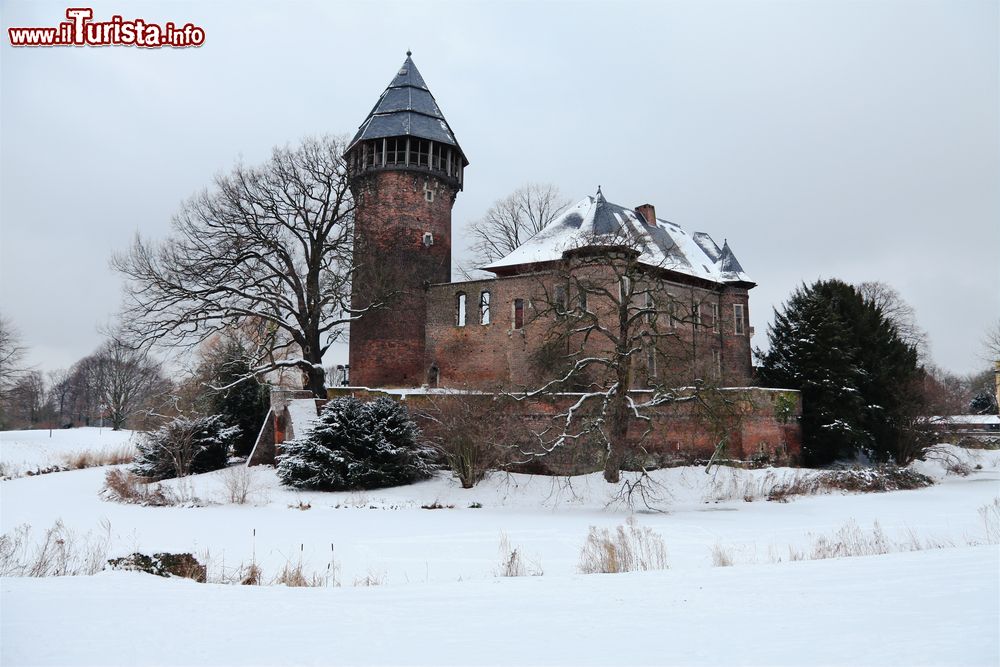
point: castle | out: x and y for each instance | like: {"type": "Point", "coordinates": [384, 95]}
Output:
{"type": "Point", "coordinates": [598, 282]}
{"type": "Point", "coordinates": [406, 169]}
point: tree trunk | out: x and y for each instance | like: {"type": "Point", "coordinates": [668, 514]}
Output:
{"type": "Point", "coordinates": [618, 419]}
{"type": "Point", "coordinates": [316, 381]}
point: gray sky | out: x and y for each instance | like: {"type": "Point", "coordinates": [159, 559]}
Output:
{"type": "Point", "coordinates": [856, 140]}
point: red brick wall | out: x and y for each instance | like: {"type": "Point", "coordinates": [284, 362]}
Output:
{"type": "Point", "coordinates": [488, 356]}
{"type": "Point", "coordinates": [393, 214]}
{"type": "Point", "coordinates": [764, 423]}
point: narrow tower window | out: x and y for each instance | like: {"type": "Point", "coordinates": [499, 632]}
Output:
{"type": "Point", "coordinates": [484, 307]}
{"type": "Point", "coordinates": [739, 328]}
{"type": "Point", "coordinates": [460, 309]}
{"type": "Point", "coordinates": [518, 313]}
{"type": "Point", "coordinates": [715, 317]}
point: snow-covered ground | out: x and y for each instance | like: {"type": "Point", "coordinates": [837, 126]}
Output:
{"type": "Point", "coordinates": [440, 601]}
{"type": "Point", "coordinates": [28, 451]}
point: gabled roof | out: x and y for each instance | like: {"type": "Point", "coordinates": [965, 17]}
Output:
{"type": "Point", "coordinates": [407, 108]}
{"type": "Point", "coordinates": [595, 222]}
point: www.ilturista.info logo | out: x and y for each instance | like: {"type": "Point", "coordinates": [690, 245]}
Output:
{"type": "Point", "coordinates": [80, 30]}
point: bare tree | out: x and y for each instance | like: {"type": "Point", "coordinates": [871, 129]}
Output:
{"type": "Point", "coordinates": [269, 245]}
{"type": "Point", "coordinates": [117, 381]}
{"type": "Point", "coordinates": [127, 378]}
{"type": "Point", "coordinates": [899, 312]}
{"type": "Point", "coordinates": [614, 325]}
{"type": "Point", "coordinates": [26, 403]}
{"type": "Point", "coordinates": [991, 343]}
{"type": "Point", "coordinates": [511, 221]}
{"type": "Point", "coordinates": [12, 353]}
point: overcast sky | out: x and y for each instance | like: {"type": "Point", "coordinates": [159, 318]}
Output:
{"type": "Point", "coordinates": [856, 140]}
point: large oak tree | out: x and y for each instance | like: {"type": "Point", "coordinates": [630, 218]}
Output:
{"type": "Point", "coordinates": [269, 245]}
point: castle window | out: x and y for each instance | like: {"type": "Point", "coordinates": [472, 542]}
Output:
{"type": "Point", "coordinates": [518, 313]}
{"type": "Point", "coordinates": [460, 309]}
{"type": "Point", "coordinates": [717, 364]}
{"type": "Point", "coordinates": [650, 309]}
{"type": "Point", "coordinates": [624, 289]}
{"type": "Point", "coordinates": [651, 361]}
{"type": "Point", "coordinates": [582, 299]}
{"type": "Point", "coordinates": [739, 319]}
{"type": "Point", "coordinates": [377, 146]}
{"type": "Point", "coordinates": [672, 311]}
{"type": "Point", "coordinates": [559, 300]}
{"type": "Point", "coordinates": [433, 376]}
{"type": "Point", "coordinates": [715, 317]}
{"type": "Point", "coordinates": [429, 195]}
{"type": "Point", "coordinates": [484, 307]}
{"type": "Point", "coordinates": [395, 151]}
{"type": "Point", "coordinates": [428, 239]}
{"type": "Point", "coordinates": [420, 152]}
{"type": "Point", "coordinates": [696, 314]}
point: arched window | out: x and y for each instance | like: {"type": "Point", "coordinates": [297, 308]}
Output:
{"type": "Point", "coordinates": [460, 309]}
{"type": "Point", "coordinates": [484, 307]}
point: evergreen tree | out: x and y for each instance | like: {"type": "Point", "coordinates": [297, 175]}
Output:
{"type": "Point", "coordinates": [184, 447]}
{"type": "Point", "coordinates": [859, 380]}
{"type": "Point", "coordinates": [356, 445]}
{"type": "Point", "coordinates": [241, 400]}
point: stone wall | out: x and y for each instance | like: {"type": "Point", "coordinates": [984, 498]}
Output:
{"type": "Point", "coordinates": [758, 424]}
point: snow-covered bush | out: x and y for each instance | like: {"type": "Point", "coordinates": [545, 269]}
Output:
{"type": "Point", "coordinates": [356, 445]}
{"type": "Point", "coordinates": [184, 447]}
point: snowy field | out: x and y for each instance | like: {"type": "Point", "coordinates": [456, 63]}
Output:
{"type": "Point", "coordinates": [438, 599]}
{"type": "Point", "coordinates": [27, 451]}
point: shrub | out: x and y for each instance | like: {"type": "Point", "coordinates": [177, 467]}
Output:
{"type": "Point", "coordinates": [472, 433]}
{"type": "Point", "coordinates": [627, 549]}
{"type": "Point", "coordinates": [184, 447]}
{"type": "Point", "coordinates": [162, 565]}
{"type": "Point", "coordinates": [121, 486]}
{"type": "Point", "coordinates": [241, 484]}
{"type": "Point", "coordinates": [356, 445]}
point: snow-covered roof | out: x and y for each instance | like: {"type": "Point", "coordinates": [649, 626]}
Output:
{"type": "Point", "coordinates": [407, 108]}
{"type": "Point", "coordinates": [595, 222]}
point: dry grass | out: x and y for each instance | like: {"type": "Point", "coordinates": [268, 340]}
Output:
{"type": "Point", "coordinates": [990, 514]}
{"type": "Point", "coordinates": [59, 552]}
{"type": "Point", "coordinates": [512, 562]}
{"type": "Point", "coordinates": [722, 556]}
{"type": "Point", "coordinates": [628, 548]}
{"type": "Point", "coordinates": [369, 580]}
{"type": "Point", "coordinates": [293, 575]}
{"type": "Point", "coordinates": [89, 458]}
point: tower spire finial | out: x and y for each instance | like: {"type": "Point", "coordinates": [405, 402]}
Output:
{"type": "Point", "coordinates": [600, 195]}
{"type": "Point", "coordinates": [409, 53]}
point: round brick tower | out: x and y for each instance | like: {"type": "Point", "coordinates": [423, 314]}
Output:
{"type": "Point", "coordinates": [406, 169]}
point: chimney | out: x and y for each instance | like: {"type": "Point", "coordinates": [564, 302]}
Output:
{"type": "Point", "coordinates": [648, 213]}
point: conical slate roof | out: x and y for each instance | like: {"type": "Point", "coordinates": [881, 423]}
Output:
{"type": "Point", "coordinates": [596, 222]}
{"type": "Point", "coordinates": [407, 108]}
